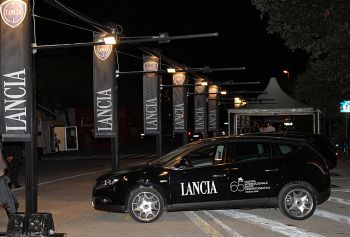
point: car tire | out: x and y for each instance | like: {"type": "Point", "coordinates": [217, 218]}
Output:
{"type": "Point", "coordinates": [145, 205]}
{"type": "Point", "coordinates": [297, 201]}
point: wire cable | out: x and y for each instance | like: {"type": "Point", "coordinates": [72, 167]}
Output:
{"type": "Point", "coordinates": [79, 16]}
{"type": "Point", "coordinates": [64, 23]}
{"type": "Point", "coordinates": [137, 57]}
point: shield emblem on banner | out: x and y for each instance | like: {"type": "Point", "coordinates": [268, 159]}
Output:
{"type": "Point", "coordinates": [179, 79]}
{"type": "Point", "coordinates": [103, 51]}
{"type": "Point", "coordinates": [13, 12]}
{"type": "Point", "coordinates": [213, 91]}
{"type": "Point", "coordinates": [150, 66]}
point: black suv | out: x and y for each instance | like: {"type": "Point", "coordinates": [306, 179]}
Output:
{"type": "Point", "coordinates": [220, 173]}
{"type": "Point", "coordinates": [320, 142]}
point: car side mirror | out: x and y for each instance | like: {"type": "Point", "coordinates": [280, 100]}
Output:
{"type": "Point", "coordinates": [184, 163]}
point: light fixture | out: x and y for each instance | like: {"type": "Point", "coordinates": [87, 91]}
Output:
{"type": "Point", "coordinates": [171, 70]}
{"type": "Point", "coordinates": [223, 92]}
{"type": "Point", "coordinates": [110, 40]}
{"type": "Point", "coordinates": [204, 83]}
{"type": "Point", "coordinates": [285, 71]}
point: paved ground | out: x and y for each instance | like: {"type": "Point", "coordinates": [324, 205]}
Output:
{"type": "Point", "coordinates": [65, 183]}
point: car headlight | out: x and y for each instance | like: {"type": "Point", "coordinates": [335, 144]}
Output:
{"type": "Point", "coordinates": [106, 183]}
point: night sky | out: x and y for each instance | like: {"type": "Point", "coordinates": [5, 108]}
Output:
{"type": "Point", "coordinates": [242, 41]}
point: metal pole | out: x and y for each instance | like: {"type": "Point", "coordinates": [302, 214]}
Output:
{"type": "Point", "coordinates": [346, 132]}
{"type": "Point", "coordinates": [31, 180]}
{"type": "Point", "coordinates": [205, 135]}
{"type": "Point", "coordinates": [160, 39]}
{"type": "Point", "coordinates": [159, 135]}
{"type": "Point", "coordinates": [115, 139]}
{"type": "Point", "coordinates": [135, 41]}
{"type": "Point", "coordinates": [229, 123]}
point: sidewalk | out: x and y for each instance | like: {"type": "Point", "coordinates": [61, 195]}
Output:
{"type": "Point", "coordinates": [344, 163]}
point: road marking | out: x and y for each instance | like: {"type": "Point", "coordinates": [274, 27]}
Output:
{"type": "Point", "coordinates": [76, 176]}
{"type": "Point", "coordinates": [341, 190]}
{"type": "Point", "coordinates": [231, 231]}
{"type": "Point", "coordinates": [202, 224]}
{"type": "Point", "coordinates": [341, 178]}
{"type": "Point", "coordinates": [339, 200]}
{"type": "Point", "coordinates": [332, 216]}
{"type": "Point", "coordinates": [70, 177]}
{"type": "Point", "coordinates": [268, 224]}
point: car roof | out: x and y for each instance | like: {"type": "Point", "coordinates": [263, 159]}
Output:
{"type": "Point", "coordinates": [311, 137]}
{"type": "Point", "coordinates": [252, 137]}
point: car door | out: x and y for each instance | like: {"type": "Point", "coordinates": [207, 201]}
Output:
{"type": "Point", "coordinates": [200, 178]}
{"type": "Point", "coordinates": [255, 171]}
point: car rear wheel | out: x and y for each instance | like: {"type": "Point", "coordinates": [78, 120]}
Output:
{"type": "Point", "coordinates": [145, 205]}
{"type": "Point", "coordinates": [297, 201]}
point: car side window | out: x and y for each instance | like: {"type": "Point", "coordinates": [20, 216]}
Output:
{"type": "Point", "coordinates": [206, 156]}
{"type": "Point", "coordinates": [284, 149]}
{"type": "Point", "coordinates": [245, 151]}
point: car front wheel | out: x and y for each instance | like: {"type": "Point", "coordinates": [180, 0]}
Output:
{"type": "Point", "coordinates": [297, 201]}
{"type": "Point", "coordinates": [145, 205]}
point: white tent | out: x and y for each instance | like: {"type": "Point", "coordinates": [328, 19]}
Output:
{"type": "Point", "coordinates": [279, 104]}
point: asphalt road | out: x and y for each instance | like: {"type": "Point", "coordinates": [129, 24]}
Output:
{"type": "Point", "coordinates": [65, 185]}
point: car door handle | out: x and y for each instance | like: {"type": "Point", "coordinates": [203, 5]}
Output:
{"type": "Point", "coordinates": [271, 170]}
{"type": "Point", "coordinates": [218, 175]}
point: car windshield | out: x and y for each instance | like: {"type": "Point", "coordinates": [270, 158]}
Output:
{"type": "Point", "coordinates": [164, 159]}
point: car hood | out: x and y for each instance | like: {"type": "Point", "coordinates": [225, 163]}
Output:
{"type": "Point", "coordinates": [133, 169]}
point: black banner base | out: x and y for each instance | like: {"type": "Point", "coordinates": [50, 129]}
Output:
{"type": "Point", "coordinates": [31, 225]}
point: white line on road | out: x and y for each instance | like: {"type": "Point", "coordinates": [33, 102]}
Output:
{"type": "Point", "coordinates": [339, 200]}
{"type": "Point", "coordinates": [65, 178]}
{"type": "Point", "coordinates": [76, 176]}
{"type": "Point", "coordinates": [341, 178]}
{"type": "Point", "coordinates": [332, 216]}
{"type": "Point", "coordinates": [202, 224]}
{"type": "Point", "coordinates": [231, 231]}
{"type": "Point", "coordinates": [268, 224]}
{"type": "Point", "coordinates": [341, 190]}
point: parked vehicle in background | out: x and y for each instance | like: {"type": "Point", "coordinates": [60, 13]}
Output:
{"type": "Point", "coordinates": [320, 142]}
{"type": "Point", "coordinates": [220, 173]}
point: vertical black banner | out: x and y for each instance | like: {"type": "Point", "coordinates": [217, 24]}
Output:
{"type": "Point", "coordinates": [104, 89]}
{"type": "Point", "coordinates": [15, 70]}
{"type": "Point", "coordinates": [200, 116]}
{"type": "Point", "coordinates": [179, 103]}
{"type": "Point", "coordinates": [151, 116]}
{"type": "Point", "coordinates": [213, 109]}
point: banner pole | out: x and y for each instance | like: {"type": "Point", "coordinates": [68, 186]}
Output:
{"type": "Point", "coordinates": [159, 135]}
{"type": "Point", "coordinates": [31, 181]}
{"type": "Point", "coordinates": [346, 132]}
{"type": "Point", "coordinates": [115, 159]}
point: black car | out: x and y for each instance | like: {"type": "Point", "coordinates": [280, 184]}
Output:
{"type": "Point", "coordinates": [220, 173]}
{"type": "Point", "coordinates": [320, 142]}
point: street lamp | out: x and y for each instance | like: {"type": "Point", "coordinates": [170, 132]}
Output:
{"type": "Point", "coordinates": [286, 72]}
{"type": "Point", "coordinates": [110, 40]}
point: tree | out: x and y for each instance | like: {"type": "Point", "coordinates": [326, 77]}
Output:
{"type": "Point", "coordinates": [321, 28]}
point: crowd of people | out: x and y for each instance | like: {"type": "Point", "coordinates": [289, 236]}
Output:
{"type": "Point", "coordinates": [264, 127]}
